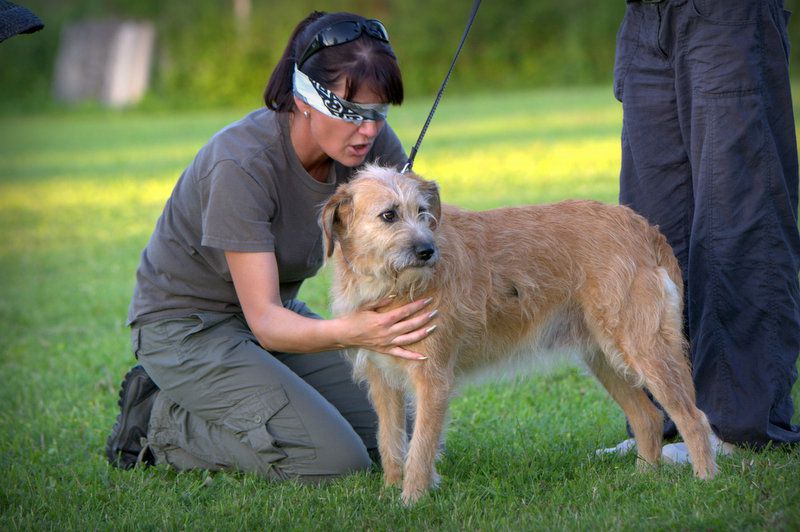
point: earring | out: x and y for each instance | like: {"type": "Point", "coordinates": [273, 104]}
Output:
{"type": "Point", "coordinates": [306, 114]}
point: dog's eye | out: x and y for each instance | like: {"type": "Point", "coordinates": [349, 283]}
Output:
{"type": "Point", "coordinates": [422, 210]}
{"type": "Point", "coordinates": [389, 216]}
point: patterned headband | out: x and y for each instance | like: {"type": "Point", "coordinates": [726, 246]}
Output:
{"type": "Point", "coordinates": [327, 103]}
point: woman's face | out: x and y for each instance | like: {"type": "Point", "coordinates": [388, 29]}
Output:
{"type": "Point", "coordinates": [346, 142]}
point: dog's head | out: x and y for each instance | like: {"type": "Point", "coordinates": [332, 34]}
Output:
{"type": "Point", "coordinates": [384, 223]}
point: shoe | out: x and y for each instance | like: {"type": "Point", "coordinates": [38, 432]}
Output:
{"type": "Point", "coordinates": [124, 448]}
{"type": "Point", "coordinates": [678, 453]}
{"type": "Point", "coordinates": [622, 448]}
{"type": "Point", "coordinates": [673, 453]}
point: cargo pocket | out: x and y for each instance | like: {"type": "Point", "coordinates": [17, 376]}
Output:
{"type": "Point", "coordinates": [260, 422]}
{"type": "Point", "coordinates": [728, 13]}
{"type": "Point", "coordinates": [191, 333]}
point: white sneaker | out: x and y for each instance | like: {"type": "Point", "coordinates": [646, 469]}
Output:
{"type": "Point", "coordinates": [678, 453]}
{"type": "Point", "coordinates": [673, 453]}
{"type": "Point", "coordinates": [622, 448]}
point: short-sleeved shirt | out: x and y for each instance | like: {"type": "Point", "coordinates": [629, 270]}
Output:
{"type": "Point", "coordinates": [246, 190]}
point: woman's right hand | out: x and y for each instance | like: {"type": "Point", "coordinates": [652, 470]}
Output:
{"type": "Point", "coordinates": [387, 331]}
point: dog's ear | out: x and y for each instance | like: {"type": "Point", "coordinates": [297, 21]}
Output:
{"type": "Point", "coordinates": [333, 217]}
{"type": "Point", "coordinates": [430, 190]}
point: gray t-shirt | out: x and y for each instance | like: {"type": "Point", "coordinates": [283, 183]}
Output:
{"type": "Point", "coordinates": [246, 190]}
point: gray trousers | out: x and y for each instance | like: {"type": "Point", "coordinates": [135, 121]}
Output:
{"type": "Point", "coordinates": [225, 403]}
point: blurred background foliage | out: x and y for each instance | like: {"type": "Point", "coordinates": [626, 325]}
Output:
{"type": "Point", "coordinates": [205, 59]}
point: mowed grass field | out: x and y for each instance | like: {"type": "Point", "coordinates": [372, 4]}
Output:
{"type": "Point", "coordinates": [79, 197]}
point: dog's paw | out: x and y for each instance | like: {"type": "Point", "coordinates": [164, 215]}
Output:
{"type": "Point", "coordinates": [643, 466]}
{"type": "Point", "coordinates": [416, 488]}
{"type": "Point", "coordinates": [411, 496]}
{"type": "Point", "coordinates": [393, 478]}
{"type": "Point", "coordinates": [392, 471]}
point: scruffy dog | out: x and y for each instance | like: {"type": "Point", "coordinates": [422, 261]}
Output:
{"type": "Point", "coordinates": [510, 285]}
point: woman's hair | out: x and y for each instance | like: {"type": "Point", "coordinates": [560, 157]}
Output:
{"type": "Point", "coordinates": [364, 62]}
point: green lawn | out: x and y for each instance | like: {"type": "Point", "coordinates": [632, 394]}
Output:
{"type": "Point", "coordinates": [79, 196]}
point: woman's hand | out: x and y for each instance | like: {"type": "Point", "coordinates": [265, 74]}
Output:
{"type": "Point", "coordinates": [388, 331]}
{"type": "Point", "coordinates": [255, 276]}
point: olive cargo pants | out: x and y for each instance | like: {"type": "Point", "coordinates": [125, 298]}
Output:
{"type": "Point", "coordinates": [225, 403]}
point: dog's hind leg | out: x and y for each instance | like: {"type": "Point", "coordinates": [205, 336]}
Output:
{"type": "Point", "coordinates": [661, 359]}
{"type": "Point", "coordinates": [669, 380]}
{"type": "Point", "coordinates": [389, 403]}
{"type": "Point", "coordinates": [432, 395]}
{"type": "Point", "coordinates": [645, 419]}
{"type": "Point", "coordinates": [651, 346]}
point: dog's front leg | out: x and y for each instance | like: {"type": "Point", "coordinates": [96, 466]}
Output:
{"type": "Point", "coordinates": [432, 391]}
{"type": "Point", "coordinates": [389, 403]}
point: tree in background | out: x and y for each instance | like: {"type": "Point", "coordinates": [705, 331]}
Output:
{"type": "Point", "coordinates": [219, 52]}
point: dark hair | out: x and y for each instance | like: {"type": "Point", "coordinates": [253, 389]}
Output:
{"type": "Point", "coordinates": [363, 62]}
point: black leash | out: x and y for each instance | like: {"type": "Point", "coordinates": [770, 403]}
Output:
{"type": "Point", "coordinates": [414, 150]}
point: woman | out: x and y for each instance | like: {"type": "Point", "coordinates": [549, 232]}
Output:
{"type": "Point", "coordinates": [214, 316]}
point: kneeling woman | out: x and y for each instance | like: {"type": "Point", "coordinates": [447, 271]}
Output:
{"type": "Point", "coordinates": [214, 318]}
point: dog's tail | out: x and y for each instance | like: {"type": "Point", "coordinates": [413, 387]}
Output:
{"type": "Point", "coordinates": [672, 289]}
{"type": "Point", "coordinates": [665, 258]}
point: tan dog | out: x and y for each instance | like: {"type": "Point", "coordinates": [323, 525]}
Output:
{"type": "Point", "coordinates": [511, 284]}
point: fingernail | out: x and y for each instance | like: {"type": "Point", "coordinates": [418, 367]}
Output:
{"type": "Point", "coordinates": [422, 358]}
{"type": "Point", "coordinates": [391, 296]}
{"type": "Point", "coordinates": [434, 313]}
{"type": "Point", "coordinates": [427, 301]}
{"type": "Point", "coordinates": [430, 329]}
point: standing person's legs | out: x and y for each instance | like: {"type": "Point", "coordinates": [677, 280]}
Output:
{"type": "Point", "coordinates": [226, 403]}
{"type": "Point", "coordinates": [743, 299]}
{"type": "Point", "coordinates": [726, 199]}
{"type": "Point", "coordinates": [655, 174]}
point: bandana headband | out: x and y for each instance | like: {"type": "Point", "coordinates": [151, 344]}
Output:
{"type": "Point", "coordinates": [327, 103]}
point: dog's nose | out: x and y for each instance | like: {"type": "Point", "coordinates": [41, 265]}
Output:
{"type": "Point", "coordinates": [424, 251]}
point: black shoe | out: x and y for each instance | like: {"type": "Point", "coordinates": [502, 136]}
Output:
{"type": "Point", "coordinates": [124, 444]}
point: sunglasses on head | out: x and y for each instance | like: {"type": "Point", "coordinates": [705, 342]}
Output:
{"type": "Point", "coordinates": [344, 32]}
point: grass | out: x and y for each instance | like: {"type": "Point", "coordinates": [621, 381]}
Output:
{"type": "Point", "coordinates": [79, 196]}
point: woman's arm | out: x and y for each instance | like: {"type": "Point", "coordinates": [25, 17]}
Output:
{"type": "Point", "coordinates": [255, 277]}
